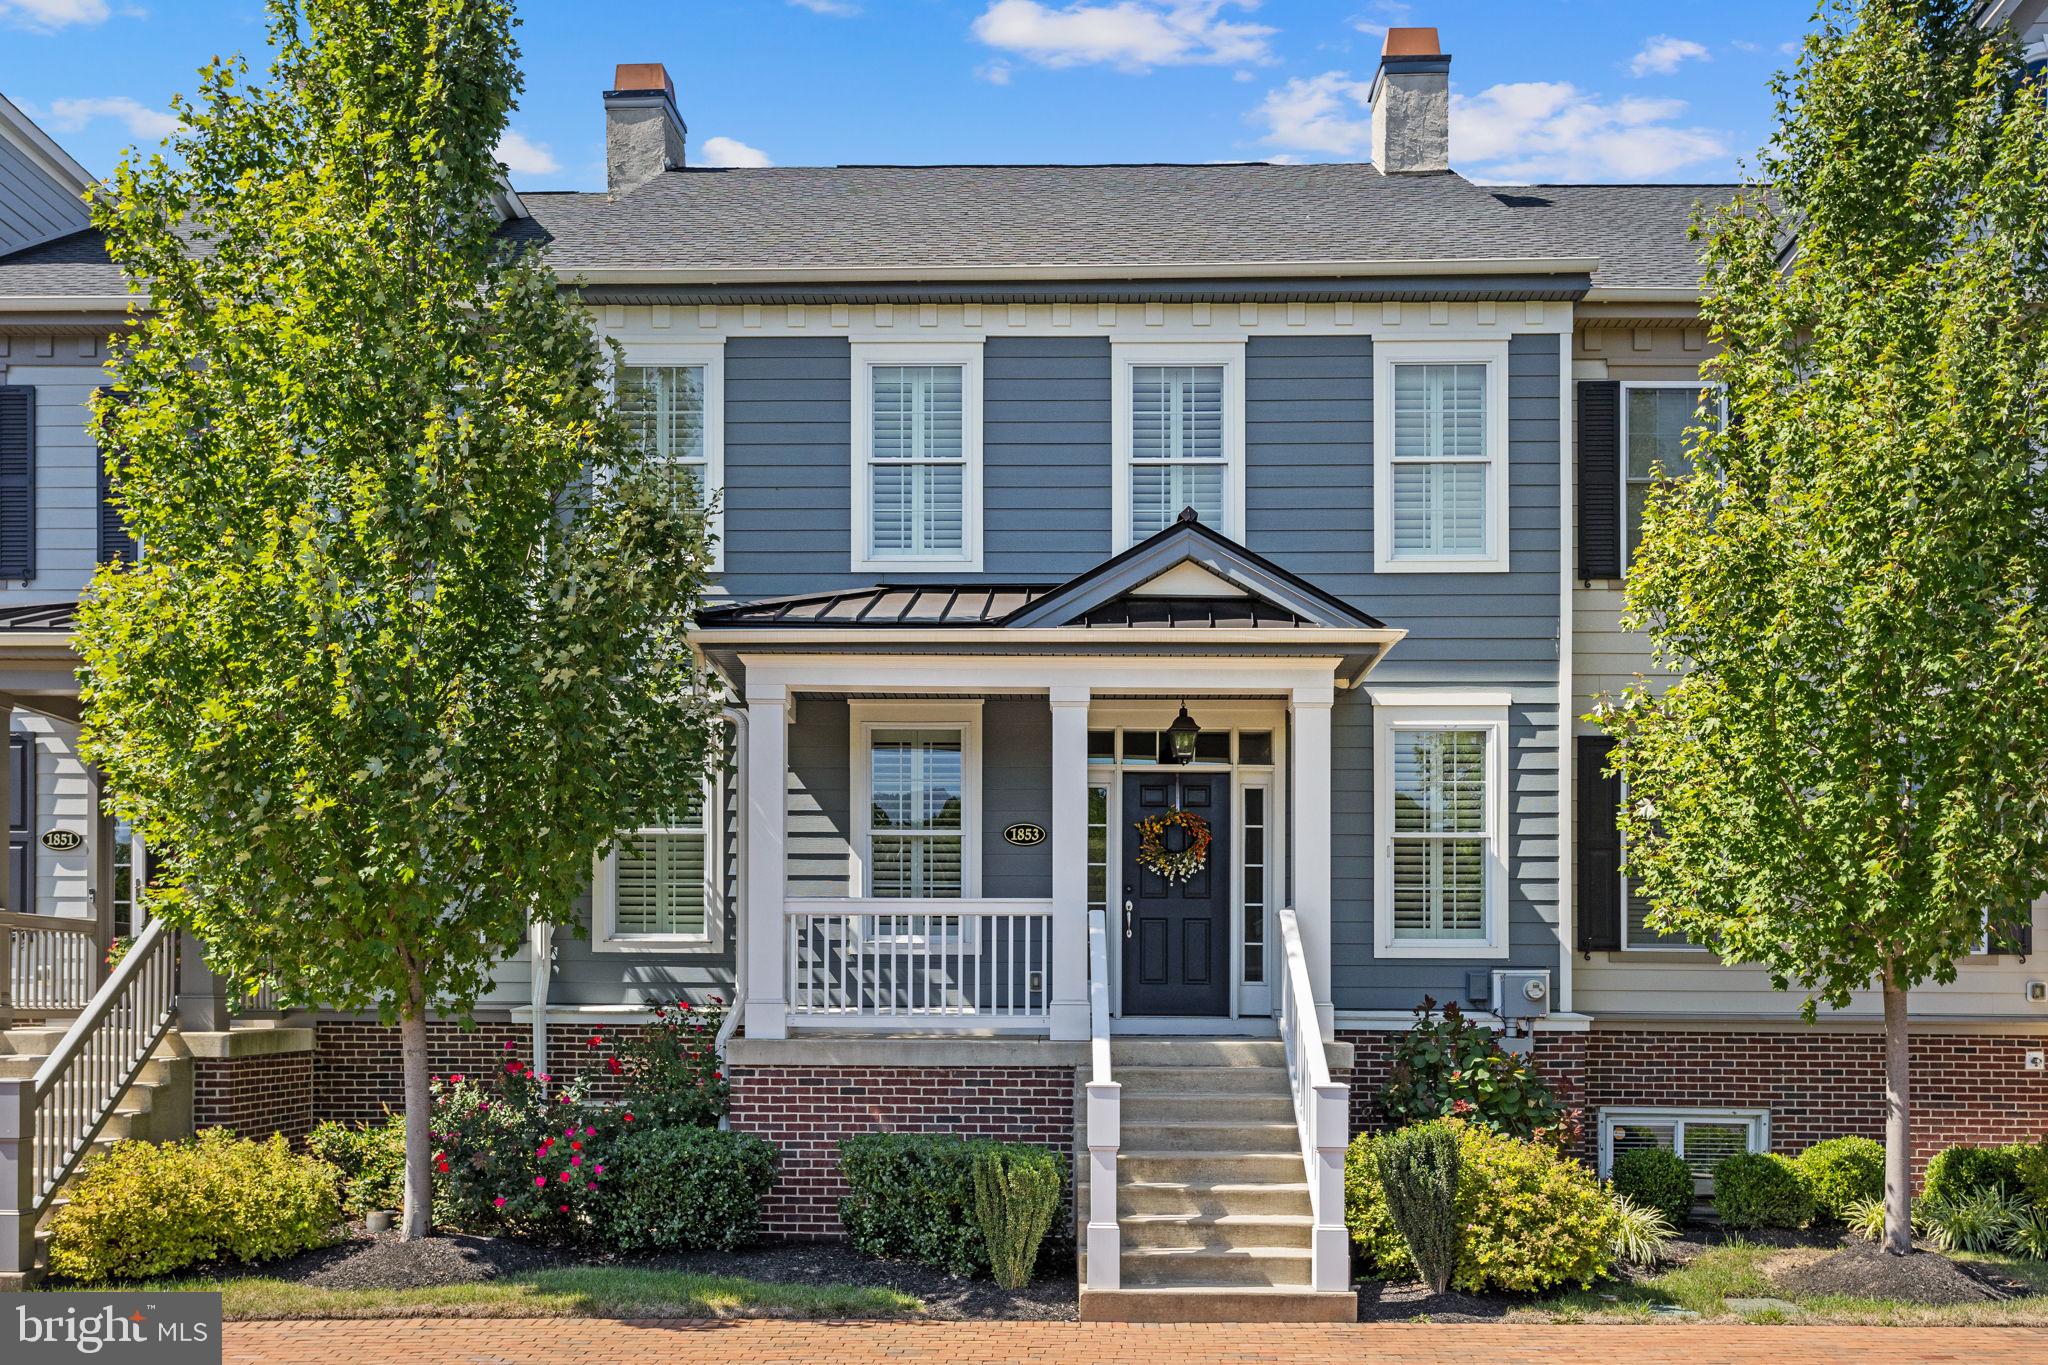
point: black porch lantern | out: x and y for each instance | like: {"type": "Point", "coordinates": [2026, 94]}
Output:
{"type": "Point", "coordinates": [1181, 735]}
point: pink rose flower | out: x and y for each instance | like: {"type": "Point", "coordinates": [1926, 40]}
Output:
{"type": "Point", "coordinates": [499, 1202]}
{"type": "Point", "coordinates": [539, 1181]}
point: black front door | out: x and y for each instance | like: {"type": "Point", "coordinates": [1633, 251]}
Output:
{"type": "Point", "coordinates": [1177, 934]}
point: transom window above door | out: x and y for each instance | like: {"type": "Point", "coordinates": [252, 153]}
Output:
{"type": "Point", "coordinates": [1179, 436]}
{"type": "Point", "coordinates": [917, 448]}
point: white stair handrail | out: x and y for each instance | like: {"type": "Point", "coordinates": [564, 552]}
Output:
{"type": "Point", "coordinates": [48, 1121]}
{"type": "Point", "coordinates": [1322, 1111]}
{"type": "Point", "coordinates": [1105, 1121]}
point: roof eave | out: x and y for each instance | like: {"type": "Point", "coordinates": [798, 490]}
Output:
{"type": "Point", "coordinates": [1107, 270]}
{"type": "Point", "coordinates": [1027, 638]}
{"type": "Point", "coordinates": [1612, 293]}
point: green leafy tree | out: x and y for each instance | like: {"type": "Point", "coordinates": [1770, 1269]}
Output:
{"type": "Point", "coordinates": [1849, 783]}
{"type": "Point", "coordinates": [405, 646]}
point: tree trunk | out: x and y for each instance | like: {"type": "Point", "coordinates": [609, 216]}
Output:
{"type": "Point", "coordinates": [419, 1147]}
{"type": "Point", "coordinates": [1898, 1122]}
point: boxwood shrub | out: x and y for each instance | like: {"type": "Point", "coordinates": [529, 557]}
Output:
{"type": "Point", "coordinates": [149, 1209]}
{"type": "Point", "coordinates": [1532, 1218]}
{"type": "Point", "coordinates": [677, 1187]}
{"type": "Point", "coordinates": [911, 1198]}
{"type": "Point", "coordinates": [370, 1157]}
{"type": "Point", "coordinates": [1761, 1190]}
{"type": "Point", "coordinates": [1656, 1179]}
{"type": "Point", "coordinates": [1842, 1172]}
{"type": "Point", "coordinates": [1959, 1172]}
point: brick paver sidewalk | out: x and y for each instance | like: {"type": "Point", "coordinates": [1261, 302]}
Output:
{"type": "Point", "coordinates": [585, 1341]}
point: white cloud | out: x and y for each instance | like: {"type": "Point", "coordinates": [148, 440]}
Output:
{"type": "Point", "coordinates": [1133, 35]}
{"type": "Point", "coordinates": [45, 16]}
{"type": "Point", "coordinates": [1390, 12]}
{"type": "Point", "coordinates": [995, 73]}
{"type": "Point", "coordinates": [1326, 113]}
{"type": "Point", "coordinates": [731, 152]}
{"type": "Point", "coordinates": [1664, 54]}
{"type": "Point", "coordinates": [838, 9]}
{"type": "Point", "coordinates": [1552, 130]}
{"type": "Point", "coordinates": [523, 156]}
{"type": "Point", "coordinates": [68, 116]}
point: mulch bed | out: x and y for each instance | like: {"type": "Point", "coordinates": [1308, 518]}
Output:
{"type": "Point", "coordinates": [1864, 1270]}
{"type": "Point", "coordinates": [383, 1261]}
{"type": "Point", "coordinates": [1389, 1301]}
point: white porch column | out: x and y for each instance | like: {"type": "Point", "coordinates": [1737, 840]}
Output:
{"type": "Point", "coordinates": [1310, 818]}
{"type": "Point", "coordinates": [765, 884]}
{"type": "Point", "coordinates": [1070, 1018]}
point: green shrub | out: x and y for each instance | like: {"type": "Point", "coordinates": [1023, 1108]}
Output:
{"type": "Point", "coordinates": [1655, 1179]}
{"type": "Point", "coordinates": [1418, 1173]}
{"type": "Point", "coordinates": [1641, 1234]}
{"type": "Point", "coordinates": [1532, 1218]}
{"type": "Point", "coordinates": [521, 1155]}
{"type": "Point", "coordinates": [1446, 1066]}
{"type": "Point", "coordinates": [1761, 1190]}
{"type": "Point", "coordinates": [1865, 1218]}
{"type": "Point", "coordinates": [676, 1186]}
{"type": "Point", "coordinates": [1842, 1172]}
{"type": "Point", "coordinates": [370, 1157]}
{"type": "Point", "coordinates": [1016, 1196]}
{"type": "Point", "coordinates": [2030, 1164]}
{"type": "Point", "coordinates": [2029, 1235]}
{"type": "Point", "coordinates": [149, 1209]}
{"type": "Point", "coordinates": [911, 1198]}
{"type": "Point", "coordinates": [1982, 1219]}
{"type": "Point", "coordinates": [1961, 1171]}
{"type": "Point", "coordinates": [670, 1069]}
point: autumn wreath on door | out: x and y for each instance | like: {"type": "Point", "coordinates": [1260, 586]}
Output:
{"type": "Point", "coordinates": [1174, 864]}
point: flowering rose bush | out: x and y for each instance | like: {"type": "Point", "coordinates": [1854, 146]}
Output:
{"type": "Point", "coordinates": [670, 1069]}
{"type": "Point", "coordinates": [521, 1154]}
{"type": "Point", "coordinates": [1447, 1066]}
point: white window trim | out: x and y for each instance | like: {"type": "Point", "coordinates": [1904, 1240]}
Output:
{"type": "Point", "coordinates": [866, 717]}
{"type": "Point", "coordinates": [1759, 1121]}
{"type": "Point", "coordinates": [710, 355]}
{"type": "Point", "coordinates": [1126, 356]}
{"type": "Point", "coordinates": [1493, 355]}
{"type": "Point", "coordinates": [866, 356]}
{"type": "Point", "coordinates": [604, 886]}
{"type": "Point", "coordinates": [1627, 550]}
{"type": "Point", "coordinates": [1396, 709]}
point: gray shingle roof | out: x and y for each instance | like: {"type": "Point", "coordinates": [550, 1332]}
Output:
{"type": "Point", "coordinates": [983, 216]}
{"type": "Point", "coordinates": [1638, 232]}
{"type": "Point", "coordinates": [69, 267]}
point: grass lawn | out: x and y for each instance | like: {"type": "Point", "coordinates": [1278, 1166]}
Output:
{"type": "Point", "coordinates": [579, 1291]}
{"type": "Point", "coordinates": [1736, 1271]}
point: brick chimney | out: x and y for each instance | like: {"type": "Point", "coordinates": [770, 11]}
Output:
{"type": "Point", "coordinates": [643, 133]}
{"type": "Point", "coordinates": [1411, 104]}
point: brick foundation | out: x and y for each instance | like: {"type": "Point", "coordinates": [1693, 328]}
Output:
{"type": "Point", "coordinates": [358, 1077]}
{"type": "Point", "coordinates": [1820, 1083]}
{"type": "Point", "coordinates": [804, 1111]}
{"type": "Point", "coordinates": [255, 1096]}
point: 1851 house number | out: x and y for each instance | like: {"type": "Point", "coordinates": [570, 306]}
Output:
{"type": "Point", "coordinates": [1024, 836]}
{"type": "Point", "coordinates": [62, 840]}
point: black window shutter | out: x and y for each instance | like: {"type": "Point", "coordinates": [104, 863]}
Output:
{"type": "Point", "coordinates": [2014, 935]}
{"type": "Point", "coordinates": [17, 481]}
{"type": "Point", "coordinates": [1598, 424]}
{"type": "Point", "coordinates": [21, 851]}
{"type": "Point", "coordinates": [115, 542]}
{"type": "Point", "coordinates": [1598, 867]}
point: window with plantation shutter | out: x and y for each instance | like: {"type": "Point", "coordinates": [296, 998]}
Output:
{"type": "Point", "coordinates": [659, 887]}
{"type": "Point", "coordinates": [1440, 458]}
{"type": "Point", "coordinates": [1178, 436]}
{"type": "Point", "coordinates": [918, 443]}
{"type": "Point", "coordinates": [672, 398]}
{"type": "Point", "coordinates": [916, 796]}
{"type": "Point", "coordinates": [1440, 813]}
{"type": "Point", "coordinates": [1702, 1138]}
{"type": "Point", "coordinates": [17, 481]}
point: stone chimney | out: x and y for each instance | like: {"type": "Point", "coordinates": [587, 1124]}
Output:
{"type": "Point", "coordinates": [1411, 104]}
{"type": "Point", "coordinates": [643, 133]}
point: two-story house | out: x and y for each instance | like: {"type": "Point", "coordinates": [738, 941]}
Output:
{"type": "Point", "coordinates": [1159, 605]}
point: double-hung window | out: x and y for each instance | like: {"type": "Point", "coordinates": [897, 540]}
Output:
{"type": "Point", "coordinates": [658, 887]}
{"type": "Point", "coordinates": [1654, 420]}
{"type": "Point", "coordinates": [1179, 437]}
{"type": "Point", "coordinates": [916, 779]}
{"type": "Point", "coordinates": [671, 395]}
{"type": "Point", "coordinates": [917, 436]}
{"type": "Point", "coordinates": [1440, 815]}
{"type": "Point", "coordinates": [1440, 457]}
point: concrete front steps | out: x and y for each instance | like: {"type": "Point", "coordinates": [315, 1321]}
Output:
{"type": "Point", "coordinates": [1212, 1201]}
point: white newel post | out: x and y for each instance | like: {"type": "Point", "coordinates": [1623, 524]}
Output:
{"type": "Point", "coordinates": [765, 883]}
{"type": "Point", "coordinates": [1311, 821]}
{"type": "Point", "coordinates": [1069, 863]}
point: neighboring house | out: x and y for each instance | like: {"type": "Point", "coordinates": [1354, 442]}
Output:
{"type": "Point", "coordinates": [1025, 470]}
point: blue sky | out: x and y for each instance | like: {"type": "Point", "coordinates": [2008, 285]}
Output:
{"type": "Point", "coordinates": [1543, 89]}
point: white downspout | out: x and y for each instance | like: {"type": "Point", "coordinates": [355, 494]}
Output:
{"type": "Point", "coordinates": [540, 940]}
{"type": "Point", "coordinates": [738, 719]}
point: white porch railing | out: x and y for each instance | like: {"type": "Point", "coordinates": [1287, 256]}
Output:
{"type": "Point", "coordinates": [1322, 1110]}
{"type": "Point", "coordinates": [1105, 1119]}
{"type": "Point", "coordinates": [918, 963]}
{"type": "Point", "coordinates": [47, 964]}
{"type": "Point", "coordinates": [47, 1121]}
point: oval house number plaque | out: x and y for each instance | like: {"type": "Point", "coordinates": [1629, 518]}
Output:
{"type": "Point", "coordinates": [1024, 835]}
{"type": "Point", "coordinates": [62, 840]}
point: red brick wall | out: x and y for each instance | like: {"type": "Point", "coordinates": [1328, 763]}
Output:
{"type": "Point", "coordinates": [1820, 1083]}
{"type": "Point", "coordinates": [255, 1096]}
{"type": "Point", "coordinates": [357, 1077]}
{"type": "Point", "coordinates": [804, 1111]}
{"type": "Point", "coordinates": [1562, 1056]}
